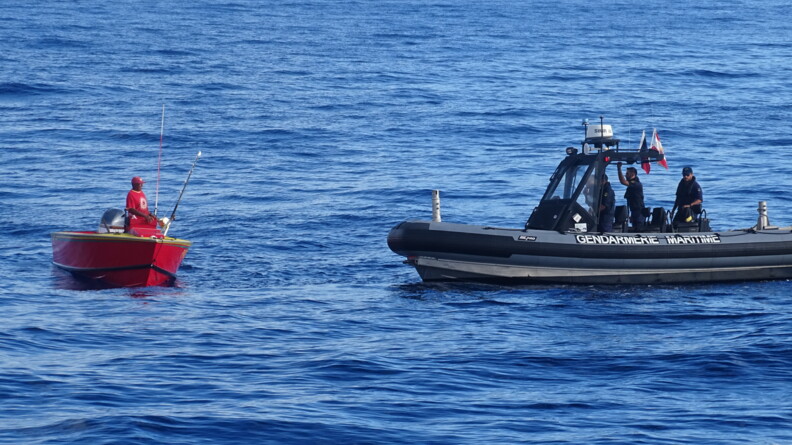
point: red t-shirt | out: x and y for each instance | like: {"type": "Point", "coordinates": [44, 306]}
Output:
{"type": "Point", "coordinates": [137, 200]}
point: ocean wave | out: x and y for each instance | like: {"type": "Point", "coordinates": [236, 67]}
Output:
{"type": "Point", "coordinates": [60, 43]}
{"type": "Point", "coordinates": [202, 429]}
{"type": "Point", "coordinates": [721, 74]}
{"type": "Point", "coordinates": [28, 89]}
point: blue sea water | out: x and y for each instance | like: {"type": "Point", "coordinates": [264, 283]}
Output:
{"type": "Point", "coordinates": [324, 123]}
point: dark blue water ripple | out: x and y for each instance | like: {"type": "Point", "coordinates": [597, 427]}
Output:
{"type": "Point", "coordinates": [323, 124]}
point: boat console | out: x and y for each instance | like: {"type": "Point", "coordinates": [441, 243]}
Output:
{"type": "Point", "coordinates": [572, 198]}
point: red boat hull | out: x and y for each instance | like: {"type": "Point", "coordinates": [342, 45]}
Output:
{"type": "Point", "coordinates": [119, 259]}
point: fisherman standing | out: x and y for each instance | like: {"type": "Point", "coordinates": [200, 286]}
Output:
{"type": "Point", "coordinates": [634, 196]}
{"type": "Point", "coordinates": [137, 206]}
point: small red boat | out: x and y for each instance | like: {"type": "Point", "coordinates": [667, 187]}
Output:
{"type": "Point", "coordinates": [113, 256]}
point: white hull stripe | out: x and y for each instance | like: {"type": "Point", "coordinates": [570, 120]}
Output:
{"type": "Point", "coordinates": [509, 271]}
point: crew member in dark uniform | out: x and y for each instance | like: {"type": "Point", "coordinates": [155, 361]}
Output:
{"type": "Point", "coordinates": [634, 196]}
{"type": "Point", "coordinates": [688, 197]}
{"type": "Point", "coordinates": [607, 206]}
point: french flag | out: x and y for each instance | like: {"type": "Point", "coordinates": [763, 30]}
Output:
{"type": "Point", "coordinates": [657, 146]}
{"type": "Point", "coordinates": [643, 151]}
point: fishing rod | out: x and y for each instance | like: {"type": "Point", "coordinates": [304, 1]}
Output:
{"type": "Point", "coordinates": [167, 221]}
{"type": "Point", "coordinates": [159, 161]}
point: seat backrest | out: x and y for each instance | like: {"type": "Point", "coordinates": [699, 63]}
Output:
{"type": "Point", "coordinates": [621, 214]}
{"type": "Point", "coordinates": [658, 221]}
{"type": "Point", "coordinates": [658, 216]}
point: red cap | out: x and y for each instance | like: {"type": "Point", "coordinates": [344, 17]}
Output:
{"type": "Point", "coordinates": [137, 180]}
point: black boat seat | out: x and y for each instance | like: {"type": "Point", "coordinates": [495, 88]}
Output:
{"type": "Point", "coordinates": [620, 219]}
{"type": "Point", "coordinates": [645, 212]}
{"type": "Point", "coordinates": [658, 220]}
{"type": "Point", "coordinates": [684, 227]}
{"type": "Point", "coordinates": [703, 221]}
{"type": "Point", "coordinates": [698, 223]}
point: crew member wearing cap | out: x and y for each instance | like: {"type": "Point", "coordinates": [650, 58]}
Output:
{"type": "Point", "coordinates": [688, 197]}
{"type": "Point", "coordinates": [634, 196]}
{"type": "Point", "coordinates": [137, 206]}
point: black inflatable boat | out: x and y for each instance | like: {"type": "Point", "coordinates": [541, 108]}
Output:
{"type": "Point", "coordinates": [560, 242]}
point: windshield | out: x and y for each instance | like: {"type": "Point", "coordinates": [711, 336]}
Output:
{"type": "Point", "coordinates": [568, 183]}
{"type": "Point", "coordinates": [588, 197]}
{"type": "Point", "coordinates": [573, 178]}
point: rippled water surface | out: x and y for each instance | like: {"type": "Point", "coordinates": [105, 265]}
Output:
{"type": "Point", "coordinates": [322, 124]}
